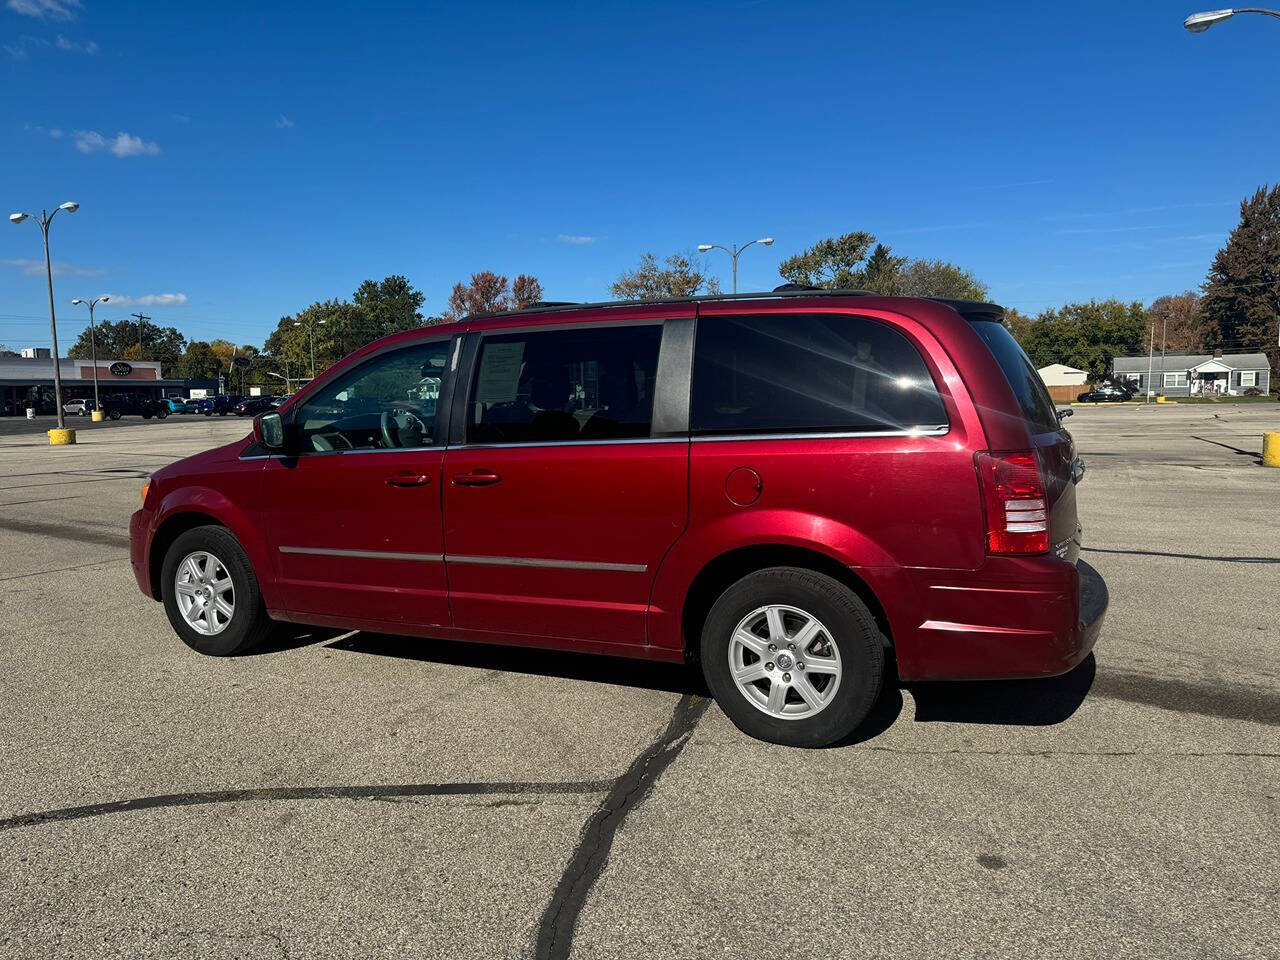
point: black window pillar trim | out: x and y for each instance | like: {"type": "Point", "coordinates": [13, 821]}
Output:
{"type": "Point", "coordinates": [460, 389]}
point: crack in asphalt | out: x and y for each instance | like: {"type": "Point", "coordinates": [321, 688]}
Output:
{"type": "Point", "coordinates": [359, 792]}
{"type": "Point", "coordinates": [559, 921]}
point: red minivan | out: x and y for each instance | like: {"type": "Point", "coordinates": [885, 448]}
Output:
{"type": "Point", "coordinates": [786, 488]}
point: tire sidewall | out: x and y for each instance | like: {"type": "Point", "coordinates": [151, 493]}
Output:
{"type": "Point", "coordinates": [248, 617]}
{"type": "Point", "coordinates": [854, 633]}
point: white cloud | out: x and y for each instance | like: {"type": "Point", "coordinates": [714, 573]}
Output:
{"type": "Point", "coordinates": [21, 48]}
{"type": "Point", "coordinates": [122, 145]}
{"type": "Point", "coordinates": [76, 46]}
{"type": "Point", "coordinates": [576, 240]}
{"type": "Point", "coordinates": [284, 123]}
{"type": "Point", "coordinates": [149, 300]}
{"type": "Point", "coordinates": [35, 268]}
{"type": "Point", "coordinates": [45, 9]}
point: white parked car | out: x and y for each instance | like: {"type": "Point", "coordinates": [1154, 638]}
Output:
{"type": "Point", "coordinates": [79, 408]}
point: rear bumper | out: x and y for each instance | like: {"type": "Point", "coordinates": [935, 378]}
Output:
{"type": "Point", "coordinates": [1021, 618]}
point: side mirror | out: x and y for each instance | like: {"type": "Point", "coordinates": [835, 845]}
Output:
{"type": "Point", "coordinates": [1068, 412]}
{"type": "Point", "coordinates": [268, 431]}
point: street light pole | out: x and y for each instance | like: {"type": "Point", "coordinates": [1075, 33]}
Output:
{"type": "Point", "coordinates": [93, 344]}
{"type": "Point", "coordinates": [44, 220]}
{"type": "Point", "coordinates": [734, 253]}
{"type": "Point", "coordinates": [1200, 22]}
{"type": "Point", "coordinates": [311, 330]}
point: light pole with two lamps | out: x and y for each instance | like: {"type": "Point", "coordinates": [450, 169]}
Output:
{"type": "Point", "coordinates": [311, 329]}
{"type": "Point", "coordinates": [734, 253]}
{"type": "Point", "coordinates": [63, 435]}
{"type": "Point", "coordinates": [93, 350]}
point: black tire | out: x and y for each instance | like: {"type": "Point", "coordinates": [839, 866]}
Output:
{"type": "Point", "coordinates": [115, 414]}
{"type": "Point", "coordinates": [851, 629]}
{"type": "Point", "coordinates": [161, 414]}
{"type": "Point", "coordinates": [249, 622]}
{"type": "Point", "coordinates": [208, 413]}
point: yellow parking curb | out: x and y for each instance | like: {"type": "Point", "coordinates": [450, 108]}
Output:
{"type": "Point", "coordinates": [96, 416]}
{"type": "Point", "coordinates": [58, 438]}
{"type": "Point", "coordinates": [1271, 449]}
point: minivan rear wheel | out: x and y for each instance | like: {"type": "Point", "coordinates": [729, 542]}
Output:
{"type": "Point", "coordinates": [793, 657]}
{"type": "Point", "coordinates": [211, 595]}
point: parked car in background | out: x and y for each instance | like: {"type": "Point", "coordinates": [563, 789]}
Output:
{"type": "Point", "coordinates": [191, 405]}
{"type": "Point", "coordinates": [123, 405]}
{"type": "Point", "coordinates": [222, 404]}
{"type": "Point", "coordinates": [175, 404]}
{"type": "Point", "coordinates": [253, 405]}
{"type": "Point", "coordinates": [1105, 393]}
{"type": "Point", "coordinates": [800, 492]}
{"type": "Point", "coordinates": [78, 407]}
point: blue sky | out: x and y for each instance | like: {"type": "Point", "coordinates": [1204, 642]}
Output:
{"type": "Point", "coordinates": [237, 161]}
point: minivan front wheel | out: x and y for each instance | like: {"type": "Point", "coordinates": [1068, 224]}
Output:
{"type": "Point", "coordinates": [211, 595]}
{"type": "Point", "coordinates": [793, 657]}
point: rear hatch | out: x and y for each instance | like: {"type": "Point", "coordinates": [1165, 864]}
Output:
{"type": "Point", "coordinates": [1052, 445]}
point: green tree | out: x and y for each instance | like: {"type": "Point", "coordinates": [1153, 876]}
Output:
{"type": "Point", "coordinates": [392, 304]}
{"type": "Point", "coordinates": [198, 362]}
{"type": "Point", "coordinates": [680, 278]}
{"type": "Point", "coordinates": [1087, 335]}
{"type": "Point", "coordinates": [850, 262]}
{"type": "Point", "coordinates": [833, 264]}
{"type": "Point", "coordinates": [1242, 291]}
{"type": "Point", "coordinates": [119, 340]}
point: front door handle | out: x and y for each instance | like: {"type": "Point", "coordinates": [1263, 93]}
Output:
{"type": "Point", "coordinates": [408, 480]}
{"type": "Point", "coordinates": [476, 478]}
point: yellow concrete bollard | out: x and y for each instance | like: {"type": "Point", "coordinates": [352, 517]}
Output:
{"type": "Point", "coordinates": [1271, 449]}
{"type": "Point", "coordinates": [59, 438]}
{"type": "Point", "coordinates": [96, 416]}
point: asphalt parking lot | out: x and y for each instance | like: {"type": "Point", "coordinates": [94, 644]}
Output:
{"type": "Point", "coordinates": [372, 796]}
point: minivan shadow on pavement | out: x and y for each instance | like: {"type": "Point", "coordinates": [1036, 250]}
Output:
{"type": "Point", "coordinates": [651, 675]}
{"type": "Point", "coordinates": [1027, 703]}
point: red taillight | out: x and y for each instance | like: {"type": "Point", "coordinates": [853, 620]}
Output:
{"type": "Point", "coordinates": [1016, 507]}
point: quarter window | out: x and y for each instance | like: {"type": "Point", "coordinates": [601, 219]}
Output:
{"type": "Point", "coordinates": [593, 383]}
{"type": "Point", "coordinates": [810, 373]}
{"type": "Point", "coordinates": [388, 402]}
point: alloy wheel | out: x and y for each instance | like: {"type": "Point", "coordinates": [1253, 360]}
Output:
{"type": "Point", "coordinates": [205, 594]}
{"type": "Point", "coordinates": [785, 662]}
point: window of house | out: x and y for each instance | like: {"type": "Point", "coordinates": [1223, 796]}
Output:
{"type": "Point", "coordinates": [783, 373]}
{"type": "Point", "coordinates": [1248, 378]}
{"type": "Point", "coordinates": [1175, 379]}
{"type": "Point", "coordinates": [388, 402]}
{"type": "Point", "coordinates": [591, 383]}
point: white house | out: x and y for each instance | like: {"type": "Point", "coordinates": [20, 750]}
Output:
{"type": "Point", "coordinates": [1060, 375]}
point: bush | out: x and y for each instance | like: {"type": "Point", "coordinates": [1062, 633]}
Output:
{"type": "Point", "coordinates": [1252, 392]}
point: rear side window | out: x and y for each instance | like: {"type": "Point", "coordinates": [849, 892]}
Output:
{"type": "Point", "coordinates": [591, 383]}
{"type": "Point", "coordinates": [1028, 388]}
{"type": "Point", "coordinates": [800, 373]}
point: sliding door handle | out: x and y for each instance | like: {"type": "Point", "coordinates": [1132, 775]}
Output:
{"type": "Point", "coordinates": [476, 478]}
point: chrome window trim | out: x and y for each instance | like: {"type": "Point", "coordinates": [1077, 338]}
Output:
{"type": "Point", "coordinates": [629, 441]}
{"type": "Point", "coordinates": [364, 554]}
{"type": "Point", "coordinates": [940, 431]}
{"type": "Point", "coordinates": [550, 564]}
{"type": "Point", "coordinates": [342, 453]}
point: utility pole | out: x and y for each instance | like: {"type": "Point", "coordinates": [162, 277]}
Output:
{"type": "Point", "coordinates": [1151, 354]}
{"type": "Point", "coordinates": [1164, 332]}
{"type": "Point", "coordinates": [141, 318]}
